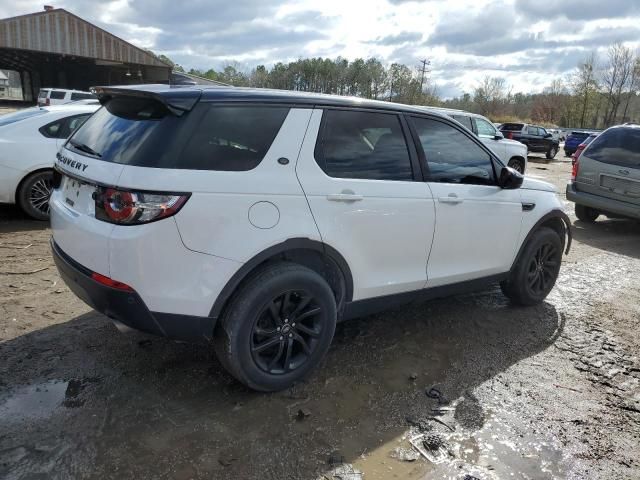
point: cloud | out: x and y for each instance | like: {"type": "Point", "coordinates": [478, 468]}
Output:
{"type": "Point", "coordinates": [577, 9]}
{"type": "Point", "coordinates": [398, 38]}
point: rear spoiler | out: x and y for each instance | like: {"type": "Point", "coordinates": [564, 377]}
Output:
{"type": "Point", "coordinates": [177, 100]}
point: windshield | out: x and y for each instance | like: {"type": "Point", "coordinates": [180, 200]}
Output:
{"type": "Point", "coordinates": [14, 117]}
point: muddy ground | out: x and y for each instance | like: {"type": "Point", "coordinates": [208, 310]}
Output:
{"type": "Point", "coordinates": [494, 391]}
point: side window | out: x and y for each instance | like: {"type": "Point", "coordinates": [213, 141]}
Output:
{"type": "Point", "coordinates": [71, 124]}
{"type": "Point", "coordinates": [451, 156]}
{"type": "Point", "coordinates": [363, 145]}
{"type": "Point", "coordinates": [81, 96]}
{"type": "Point", "coordinates": [464, 120]}
{"type": "Point", "coordinates": [532, 130]}
{"type": "Point", "coordinates": [233, 138]}
{"type": "Point", "coordinates": [542, 131]}
{"type": "Point", "coordinates": [57, 95]}
{"type": "Point", "coordinates": [485, 128]}
{"type": "Point", "coordinates": [53, 129]}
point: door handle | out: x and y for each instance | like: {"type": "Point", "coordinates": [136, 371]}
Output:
{"type": "Point", "coordinates": [451, 198]}
{"type": "Point", "coordinates": [345, 196]}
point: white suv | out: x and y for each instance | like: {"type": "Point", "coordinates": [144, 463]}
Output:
{"type": "Point", "coordinates": [61, 96]}
{"type": "Point", "coordinates": [258, 219]}
{"type": "Point", "coordinates": [511, 152]}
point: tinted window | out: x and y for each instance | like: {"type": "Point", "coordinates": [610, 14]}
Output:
{"type": "Point", "coordinates": [43, 93]}
{"type": "Point", "coordinates": [618, 146]}
{"type": "Point", "coordinates": [451, 156]}
{"type": "Point", "coordinates": [464, 120]}
{"type": "Point", "coordinates": [81, 96]}
{"type": "Point", "coordinates": [485, 128]}
{"type": "Point", "coordinates": [512, 127]}
{"type": "Point", "coordinates": [10, 118]}
{"type": "Point", "coordinates": [57, 95]}
{"type": "Point", "coordinates": [532, 130]}
{"type": "Point", "coordinates": [363, 145]}
{"type": "Point", "coordinates": [143, 133]}
{"type": "Point", "coordinates": [52, 129]}
{"type": "Point", "coordinates": [233, 138]}
{"type": "Point", "coordinates": [542, 131]}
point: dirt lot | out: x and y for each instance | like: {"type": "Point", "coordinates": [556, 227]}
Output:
{"type": "Point", "coordinates": [496, 391]}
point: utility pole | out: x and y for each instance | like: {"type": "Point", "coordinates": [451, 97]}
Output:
{"type": "Point", "coordinates": [423, 69]}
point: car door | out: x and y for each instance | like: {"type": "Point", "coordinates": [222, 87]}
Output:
{"type": "Point", "coordinates": [477, 222]}
{"type": "Point", "coordinates": [535, 143]}
{"type": "Point", "coordinates": [487, 134]}
{"type": "Point", "coordinates": [364, 186]}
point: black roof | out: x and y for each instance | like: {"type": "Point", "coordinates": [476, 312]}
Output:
{"type": "Point", "coordinates": [182, 98]}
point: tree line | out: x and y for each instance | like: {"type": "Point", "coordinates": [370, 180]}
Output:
{"type": "Point", "coordinates": [600, 92]}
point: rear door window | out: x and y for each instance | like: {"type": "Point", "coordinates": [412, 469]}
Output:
{"type": "Point", "coordinates": [618, 146]}
{"type": "Point", "coordinates": [511, 127]}
{"type": "Point", "coordinates": [363, 145]}
{"type": "Point", "coordinates": [532, 130]}
{"type": "Point", "coordinates": [141, 132]}
{"type": "Point", "coordinates": [81, 96]}
{"type": "Point", "coordinates": [453, 157]}
{"type": "Point", "coordinates": [57, 95]}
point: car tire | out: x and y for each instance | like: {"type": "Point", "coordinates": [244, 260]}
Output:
{"type": "Point", "coordinates": [33, 194]}
{"type": "Point", "coordinates": [586, 214]}
{"type": "Point", "coordinates": [551, 153]}
{"type": "Point", "coordinates": [277, 328]}
{"type": "Point", "coordinates": [517, 164]}
{"type": "Point", "coordinates": [537, 269]}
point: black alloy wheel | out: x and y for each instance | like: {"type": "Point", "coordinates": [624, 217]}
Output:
{"type": "Point", "coordinates": [33, 195]}
{"type": "Point", "coordinates": [286, 332]}
{"type": "Point", "coordinates": [543, 269]}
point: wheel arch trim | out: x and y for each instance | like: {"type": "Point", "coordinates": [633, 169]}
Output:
{"type": "Point", "coordinates": [553, 214]}
{"type": "Point", "coordinates": [292, 244]}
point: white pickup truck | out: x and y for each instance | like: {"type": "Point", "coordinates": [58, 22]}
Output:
{"type": "Point", "coordinates": [511, 152]}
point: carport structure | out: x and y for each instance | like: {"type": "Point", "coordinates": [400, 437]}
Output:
{"type": "Point", "coordinates": [55, 48]}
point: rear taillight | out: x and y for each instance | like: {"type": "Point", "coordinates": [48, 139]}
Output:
{"type": "Point", "coordinates": [110, 282]}
{"type": "Point", "coordinates": [574, 170]}
{"type": "Point", "coordinates": [125, 207]}
{"type": "Point", "coordinates": [47, 102]}
{"type": "Point", "coordinates": [510, 135]}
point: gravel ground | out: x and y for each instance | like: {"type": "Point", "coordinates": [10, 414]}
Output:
{"type": "Point", "coordinates": [483, 388]}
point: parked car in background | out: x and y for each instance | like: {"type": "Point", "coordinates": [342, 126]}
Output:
{"type": "Point", "coordinates": [246, 217]}
{"type": "Point", "coordinates": [29, 140]}
{"type": "Point", "coordinates": [556, 134]}
{"type": "Point", "coordinates": [582, 146]}
{"type": "Point", "coordinates": [536, 138]}
{"type": "Point", "coordinates": [574, 139]}
{"type": "Point", "coordinates": [60, 96]}
{"type": "Point", "coordinates": [606, 176]}
{"type": "Point", "coordinates": [511, 152]}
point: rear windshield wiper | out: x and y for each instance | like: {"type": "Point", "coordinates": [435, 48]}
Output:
{"type": "Point", "coordinates": [84, 148]}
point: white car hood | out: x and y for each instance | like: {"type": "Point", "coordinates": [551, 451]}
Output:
{"type": "Point", "coordinates": [534, 184]}
{"type": "Point", "coordinates": [513, 142]}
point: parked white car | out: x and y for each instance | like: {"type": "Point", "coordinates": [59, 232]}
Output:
{"type": "Point", "coordinates": [29, 141]}
{"type": "Point", "coordinates": [61, 96]}
{"type": "Point", "coordinates": [511, 152]}
{"type": "Point", "coordinates": [258, 218]}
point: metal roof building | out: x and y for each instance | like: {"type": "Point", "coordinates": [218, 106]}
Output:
{"type": "Point", "coordinates": [55, 48]}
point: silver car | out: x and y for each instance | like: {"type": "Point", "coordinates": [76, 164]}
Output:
{"type": "Point", "coordinates": [606, 177]}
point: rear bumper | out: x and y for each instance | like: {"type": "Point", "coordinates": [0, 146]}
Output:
{"type": "Point", "coordinates": [127, 307]}
{"type": "Point", "coordinates": [602, 204]}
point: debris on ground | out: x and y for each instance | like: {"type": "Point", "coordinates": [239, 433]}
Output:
{"type": "Point", "coordinates": [405, 454]}
{"type": "Point", "coordinates": [431, 447]}
{"type": "Point", "coordinates": [346, 471]}
{"type": "Point", "coordinates": [303, 413]}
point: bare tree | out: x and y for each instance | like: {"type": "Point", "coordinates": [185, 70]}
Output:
{"type": "Point", "coordinates": [491, 95]}
{"type": "Point", "coordinates": [615, 79]}
{"type": "Point", "coordinates": [584, 85]}
{"type": "Point", "coordinates": [634, 85]}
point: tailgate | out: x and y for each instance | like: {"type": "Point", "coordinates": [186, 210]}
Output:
{"type": "Point", "coordinates": [75, 228]}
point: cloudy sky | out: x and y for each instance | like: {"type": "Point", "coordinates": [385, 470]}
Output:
{"type": "Point", "coordinates": [528, 42]}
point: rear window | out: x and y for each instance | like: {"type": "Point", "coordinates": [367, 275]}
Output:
{"type": "Point", "coordinates": [511, 127]}
{"type": "Point", "coordinates": [579, 134]}
{"type": "Point", "coordinates": [618, 146]}
{"type": "Point", "coordinates": [57, 95]}
{"type": "Point", "coordinates": [141, 132]}
{"type": "Point", "coordinates": [43, 93]}
{"type": "Point", "coordinates": [464, 120]}
{"type": "Point", "coordinates": [14, 117]}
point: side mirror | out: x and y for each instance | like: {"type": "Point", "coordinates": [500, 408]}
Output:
{"type": "Point", "coordinates": [548, 135]}
{"type": "Point", "coordinates": [510, 179]}
{"type": "Point", "coordinates": [498, 135]}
